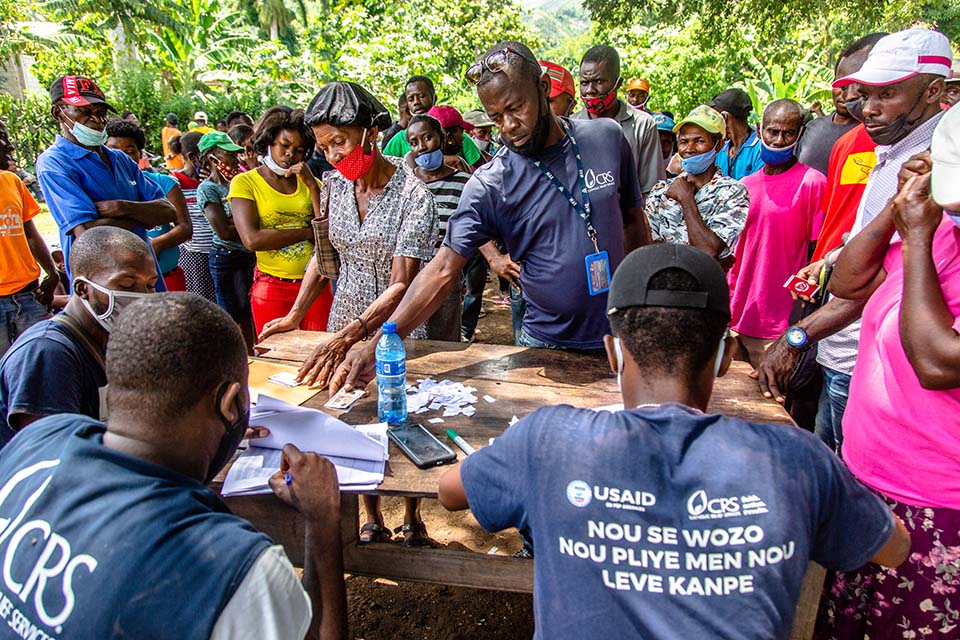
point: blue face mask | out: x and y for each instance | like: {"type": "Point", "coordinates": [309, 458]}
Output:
{"type": "Point", "coordinates": [431, 161]}
{"type": "Point", "coordinates": [86, 136]}
{"type": "Point", "coordinates": [698, 164]}
{"type": "Point", "coordinates": [775, 156]}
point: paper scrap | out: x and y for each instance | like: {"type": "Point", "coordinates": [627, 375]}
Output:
{"type": "Point", "coordinates": [490, 399]}
{"type": "Point", "coordinates": [435, 420]}
{"type": "Point", "coordinates": [514, 420]}
{"type": "Point", "coordinates": [453, 398]}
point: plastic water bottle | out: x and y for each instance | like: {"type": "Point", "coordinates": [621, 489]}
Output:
{"type": "Point", "coordinates": [391, 377]}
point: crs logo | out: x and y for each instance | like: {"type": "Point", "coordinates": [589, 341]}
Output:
{"type": "Point", "coordinates": [579, 493]}
{"type": "Point", "coordinates": [598, 180]}
{"type": "Point", "coordinates": [700, 507]}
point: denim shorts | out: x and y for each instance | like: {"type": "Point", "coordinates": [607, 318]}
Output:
{"type": "Point", "coordinates": [232, 273]}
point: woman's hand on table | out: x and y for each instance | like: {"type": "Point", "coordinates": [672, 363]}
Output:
{"type": "Point", "coordinates": [357, 370]}
{"type": "Point", "coordinates": [279, 325]}
{"type": "Point", "coordinates": [323, 361]}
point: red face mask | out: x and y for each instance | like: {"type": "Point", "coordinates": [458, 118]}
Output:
{"type": "Point", "coordinates": [596, 106]}
{"type": "Point", "coordinates": [225, 171]}
{"type": "Point", "coordinates": [357, 163]}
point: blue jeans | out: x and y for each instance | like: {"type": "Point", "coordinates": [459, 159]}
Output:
{"type": "Point", "coordinates": [232, 274]}
{"type": "Point", "coordinates": [524, 339]}
{"type": "Point", "coordinates": [833, 402]}
{"type": "Point", "coordinates": [476, 278]}
{"type": "Point", "coordinates": [518, 308]}
{"type": "Point", "coordinates": [18, 312]}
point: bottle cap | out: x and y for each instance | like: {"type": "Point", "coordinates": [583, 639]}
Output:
{"type": "Point", "coordinates": [389, 327]}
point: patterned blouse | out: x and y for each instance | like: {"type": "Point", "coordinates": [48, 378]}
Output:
{"type": "Point", "coordinates": [400, 221]}
{"type": "Point", "coordinates": [723, 203]}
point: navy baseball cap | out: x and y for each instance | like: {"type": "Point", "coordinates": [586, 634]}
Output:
{"type": "Point", "coordinates": [630, 286]}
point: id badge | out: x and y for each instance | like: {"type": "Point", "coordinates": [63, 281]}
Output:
{"type": "Point", "coordinates": [598, 273]}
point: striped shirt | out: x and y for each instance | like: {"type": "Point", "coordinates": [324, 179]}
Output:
{"type": "Point", "coordinates": [446, 194]}
{"type": "Point", "coordinates": [839, 351]}
{"type": "Point", "coordinates": [202, 239]}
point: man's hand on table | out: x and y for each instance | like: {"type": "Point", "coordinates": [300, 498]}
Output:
{"type": "Point", "coordinates": [323, 361]}
{"type": "Point", "coordinates": [313, 489]}
{"type": "Point", "coordinates": [357, 369]}
{"type": "Point", "coordinates": [775, 371]}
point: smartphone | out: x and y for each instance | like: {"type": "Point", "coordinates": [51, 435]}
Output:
{"type": "Point", "coordinates": [801, 287]}
{"type": "Point", "coordinates": [422, 447]}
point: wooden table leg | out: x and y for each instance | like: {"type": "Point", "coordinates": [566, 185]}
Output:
{"type": "Point", "coordinates": [349, 519]}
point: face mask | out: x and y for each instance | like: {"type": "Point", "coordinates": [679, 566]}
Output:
{"type": "Point", "coordinates": [618, 350]}
{"type": "Point", "coordinates": [431, 161]}
{"type": "Point", "coordinates": [855, 109]}
{"type": "Point", "coordinates": [898, 129]}
{"type": "Point", "coordinates": [482, 145]}
{"type": "Point", "coordinates": [596, 106]}
{"type": "Point", "coordinates": [231, 439]}
{"type": "Point", "coordinates": [719, 361]}
{"type": "Point", "coordinates": [776, 155]}
{"type": "Point", "coordinates": [225, 171]}
{"type": "Point", "coordinates": [698, 164]}
{"type": "Point", "coordinates": [955, 217]}
{"type": "Point", "coordinates": [271, 164]}
{"type": "Point", "coordinates": [540, 133]}
{"type": "Point", "coordinates": [117, 300]}
{"type": "Point", "coordinates": [85, 135]}
{"type": "Point", "coordinates": [357, 163]}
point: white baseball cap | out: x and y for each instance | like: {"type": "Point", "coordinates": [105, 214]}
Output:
{"type": "Point", "coordinates": [200, 115]}
{"type": "Point", "coordinates": [956, 71]}
{"type": "Point", "coordinates": [945, 156]}
{"type": "Point", "coordinates": [902, 55]}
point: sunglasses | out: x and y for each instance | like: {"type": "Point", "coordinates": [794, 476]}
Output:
{"type": "Point", "coordinates": [494, 63]}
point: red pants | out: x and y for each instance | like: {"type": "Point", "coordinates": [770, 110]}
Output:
{"type": "Point", "coordinates": [272, 298]}
{"type": "Point", "coordinates": [175, 280]}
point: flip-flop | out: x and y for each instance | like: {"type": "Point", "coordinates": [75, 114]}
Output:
{"type": "Point", "coordinates": [417, 533]}
{"type": "Point", "coordinates": [378, 533]}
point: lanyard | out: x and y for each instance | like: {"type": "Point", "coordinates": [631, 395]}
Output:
{"type": "Point", "coordinates": [583, 210]}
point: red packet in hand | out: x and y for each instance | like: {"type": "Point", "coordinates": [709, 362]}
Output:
{"type": "Point", "coordinates": [801, 287]}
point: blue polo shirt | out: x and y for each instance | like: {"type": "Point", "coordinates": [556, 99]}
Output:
{"type": "Point", "coordinates": [74, 178]}
{"type": "Point", "coordinates": [510, 199]}
{"type": "Point", "coordinates": [746, 161]}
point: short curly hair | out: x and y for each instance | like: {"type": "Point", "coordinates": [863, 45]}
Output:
{"type": "Point", "coordinates": [118, 128]}
{"type": "Point", "coordinates": [277, 119]}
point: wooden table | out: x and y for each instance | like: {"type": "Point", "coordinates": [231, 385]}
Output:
{"type": "Point", "coordinates": [521, 380]}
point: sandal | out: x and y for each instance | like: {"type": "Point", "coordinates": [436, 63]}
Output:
{"type": "Point", "coordinates": [374, 533]}
{"type": "Point", "coordinates": [414, 534]}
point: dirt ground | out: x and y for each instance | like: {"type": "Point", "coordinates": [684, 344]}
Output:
{"type": "Point", "coordinates": [381, 609]}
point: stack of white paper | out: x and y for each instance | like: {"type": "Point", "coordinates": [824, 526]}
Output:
{"type": "Point", "coordinates": [451, 397]}
{"type": "Point", "coordinates": [358, 453]}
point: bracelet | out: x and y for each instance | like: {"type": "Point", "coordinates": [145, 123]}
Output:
{"type": "Point", "coordinates": [366, 332]}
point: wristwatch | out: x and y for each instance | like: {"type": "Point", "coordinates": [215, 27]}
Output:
{"type": "Point", "coordinates": [797, 338]}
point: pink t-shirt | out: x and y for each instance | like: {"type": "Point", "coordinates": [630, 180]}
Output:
{"type": "Point", "coordinates": [899, 438]}
{"type": "Point", "coordinates": [785, 216]}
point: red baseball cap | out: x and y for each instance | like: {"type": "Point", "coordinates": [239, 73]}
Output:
{"type": "Point", "coordinates": [449, 117]}
{"type": "Point", "coordinates": [561, 80]}
{"type": "Point", "coordinates": [78, 91]}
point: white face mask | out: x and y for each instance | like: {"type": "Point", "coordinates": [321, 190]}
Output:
{"type": "Point", "coordinates": [271, 164]}
{"type": "Point", "coordinates": [117, 300]}
{"type": "Point", "coordinates": [618, 350]}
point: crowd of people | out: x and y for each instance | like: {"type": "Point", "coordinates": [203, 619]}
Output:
{"type": "Point", "coordinates": [822, 251]}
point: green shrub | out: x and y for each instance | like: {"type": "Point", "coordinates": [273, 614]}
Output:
{"type": "Point", "coordinates": [32, 128]}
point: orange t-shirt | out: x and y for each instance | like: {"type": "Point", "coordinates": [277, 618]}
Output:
{"type": "Point", "coordinates": [18, 267]}
{"type": "Point", "coordinates": [851, 161]}
{"type": "Point", "coordinates": [174, 163]}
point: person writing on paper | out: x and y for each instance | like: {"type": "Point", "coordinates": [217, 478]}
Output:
{"type": "Point", "coordinates": [179, 407]}
{"type": "Point", "coordinates": [704, 501]}
{"type": "Point", "coordinates": [383, 223]}
{"type": "Point", "coordinates": [56, 366]}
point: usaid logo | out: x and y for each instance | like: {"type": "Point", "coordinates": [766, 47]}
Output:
{"type": "Point", "coordinates": [596, 180]}
{"type": "Point", "coordinates": [579, 493]}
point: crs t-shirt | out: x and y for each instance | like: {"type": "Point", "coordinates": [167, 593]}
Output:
{"type": "Point", "coordinates": [898, 437]}
{"type": "Point", "coordinates": [510, 199]}
{"type": "Point", "coordinates": [18, 267]}
{"type": "Point", "coordinates": [278, 211]}
{"type": "Point", "coordinates": [669, 523]}
{"type": "Point", "coordinates": [851, 162]}
{"type": "Point", "coordinates": [47, 371]}
{"type": "Point", "coordinates": [783, 220]}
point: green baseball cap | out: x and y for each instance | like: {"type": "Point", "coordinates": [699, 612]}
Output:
{"type": "Point", "coordinates": [706, 118]}
{"type": "Point", "coordinates": [217, 139]}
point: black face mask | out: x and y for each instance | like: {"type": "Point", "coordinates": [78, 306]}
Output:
{"type": "Point", "coordinates": [540, 131]}
{"type": "Point", "coordinates": [898, 129]}
{"type": "Point", "coordinates": [855, 108]}
{"type": "Point", "coordinates": [231, 440]}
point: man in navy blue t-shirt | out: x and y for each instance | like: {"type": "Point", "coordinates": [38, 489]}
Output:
{"type": "Point", "coordinates": [661, 521]}
{"type": "Point", "coordinates": [56, 366]}
{"type": "Point", "coordinates": [561, 195]}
